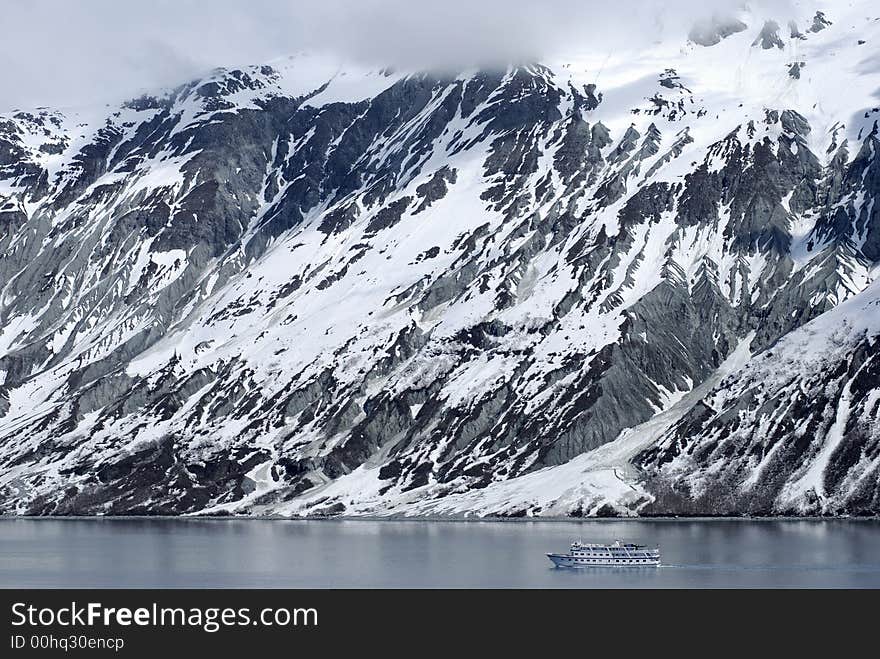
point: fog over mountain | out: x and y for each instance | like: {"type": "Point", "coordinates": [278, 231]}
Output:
{"type": "Point", "coordinates": [569, 259]}
{"type": "Point", "coordinates": [61, 53]}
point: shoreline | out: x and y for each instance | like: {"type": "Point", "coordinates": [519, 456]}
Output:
{"type": "Point", "coordinates": [436, 519]}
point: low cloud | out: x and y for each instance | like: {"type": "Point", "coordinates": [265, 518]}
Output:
{"type": "Point", "coordinates": [56, 52]}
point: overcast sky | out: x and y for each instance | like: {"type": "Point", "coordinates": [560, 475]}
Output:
{"type": "Point", "coordinates": [74, 52]}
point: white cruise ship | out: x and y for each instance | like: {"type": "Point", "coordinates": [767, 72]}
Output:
{"type": "Point", "coordinates": [617, 554]}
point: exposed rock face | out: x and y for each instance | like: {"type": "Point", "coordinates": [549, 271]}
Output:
{"type": "Point", "coordinates": [769, 37]}
{"type": "Point", "coordinates": [387, 292]}
{"type": "Point", "coordinates": [713, 31]}
{"type": "Point", "coordinates": [820, 22]}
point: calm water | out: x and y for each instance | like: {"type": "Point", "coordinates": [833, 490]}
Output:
{"type": "Point", "coordinates": [163, 553]}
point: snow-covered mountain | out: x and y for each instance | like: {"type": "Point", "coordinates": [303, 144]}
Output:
{"type": "Point", "coordinates": [636, 282]}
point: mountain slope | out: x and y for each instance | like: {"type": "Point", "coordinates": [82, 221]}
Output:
{"type": "Point", "coordinates": [795, 431]}
{"type": "Point", "coordinates": [302, 288]}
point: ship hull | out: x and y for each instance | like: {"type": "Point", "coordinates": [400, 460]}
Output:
{"type": "Point", "coordinates": [578, 562]}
